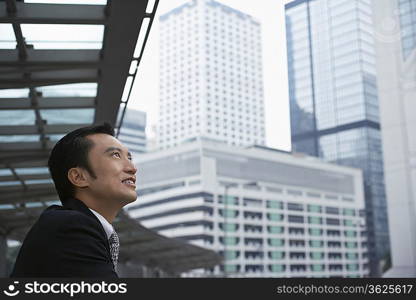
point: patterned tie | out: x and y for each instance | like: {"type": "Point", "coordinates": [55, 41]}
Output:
{"type": "Point", "coordinates": [114, 245]}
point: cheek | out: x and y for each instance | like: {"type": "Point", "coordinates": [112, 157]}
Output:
{"type": "Point", "coordinates": [106, 177]}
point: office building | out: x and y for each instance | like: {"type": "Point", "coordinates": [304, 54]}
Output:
{"type": "Point", "coordinates": [396, 75]}
{"type": "Point", "coordinates": [284, 215]}
{"type": "Point", "coordinates": [334, 101]}
{"type": "Point", "coordinates": [132, 132]}
{"type": "Point", "coordinates": [210, 75]}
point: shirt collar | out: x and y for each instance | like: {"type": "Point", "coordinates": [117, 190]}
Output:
{"type": "Point", "coordinates": [108, 228]}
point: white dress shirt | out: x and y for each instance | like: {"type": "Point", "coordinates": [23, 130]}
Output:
{"type": "Point", "coordinates": [108, 228]}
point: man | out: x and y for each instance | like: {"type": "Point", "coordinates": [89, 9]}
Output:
{"type": "Point", "coordinates": [94, 177]}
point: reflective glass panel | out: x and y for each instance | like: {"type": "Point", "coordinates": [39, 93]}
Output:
{"type": "Point", "coordinates": [7, 37]}
{"type": "Point", "coordinates": [69, 90]}
{"type": "Point", "coordinates": [14, 93]}
{"type": "Point", "coordinates": [28, 171]}
{"type": "Point", "coordinates": [19, 138]}
{"type": "Point", "coordinates": [63, 36]}
{"type": "Point", "coordinates": [68, 116]}
{"type": "Point", "coordinates": [17, 117]}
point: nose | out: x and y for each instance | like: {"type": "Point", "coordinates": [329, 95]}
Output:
{"type": "Point", "coordinates": [131, 168]}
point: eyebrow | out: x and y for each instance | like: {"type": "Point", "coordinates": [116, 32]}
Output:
{"type": "Point", "coordinates": [109, 149]}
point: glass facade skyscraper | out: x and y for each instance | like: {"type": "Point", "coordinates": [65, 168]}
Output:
{"type": "Point", "coordinates": [333, 98]}
{"type": "Point", "coordinates": [407, 16]}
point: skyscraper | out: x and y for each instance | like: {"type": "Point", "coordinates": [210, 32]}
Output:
{"type": "Point", "coordinates": [396, 76]}
{"type": "Point", "coordinates": [210, 75]}
{"type": "Point", "coordinates": [132, 132]}
{"type": "Point", "coordinates": [333, 97]}
{"type": "Point", "coordinates": [406, 11]}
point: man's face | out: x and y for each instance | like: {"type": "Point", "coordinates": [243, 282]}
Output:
{"type": "Point", "coordinates": [113, 167]}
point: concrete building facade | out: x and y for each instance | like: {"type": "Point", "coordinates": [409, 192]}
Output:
{"type": "Point", "coordinates": [211, 80]}
{"type": "Point", "coordinates": [396, 68]}
{"type": "Point", "coordinates": [270, 214]}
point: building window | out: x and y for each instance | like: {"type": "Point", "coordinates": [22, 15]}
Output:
{"type": "Point", "coordinates": [315, 220]}
{"type": "Point", "coordinates": [314, 208]}
{"type": "Point", "coordinates": [295, 219]}
{"type": "Point", "coordinates": [316, 244]}
{"type": "Point", "coordinates": [276, 242]}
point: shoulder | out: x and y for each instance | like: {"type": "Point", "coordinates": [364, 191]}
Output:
{"type": "Point", "coordinates": [57, 217]}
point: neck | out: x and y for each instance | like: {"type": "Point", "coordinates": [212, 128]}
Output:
{"type": "Point", "coordinates": [108, 211]}
{"type": "Point", "coordinates": [108, 215]}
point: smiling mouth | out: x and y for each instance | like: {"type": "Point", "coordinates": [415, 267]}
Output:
{"type": "Point", "coordinates": [129, 183]}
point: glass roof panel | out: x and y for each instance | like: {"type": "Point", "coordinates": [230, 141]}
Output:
{"type": "Point", "coordinates": [150, 6]}
{"type": "Point", "coordinates": [29, 171]}
{"type": "Point", "coordinates": [7, 37]}
{"type": "Point", "coordinates": [68, 116]}
{"type": "Point", "coordinates": [69, 90]}
{"type": "Point", "coordinates": [120, 114]}
{"type": "Point", "coordinates": [19, 138]}
{"type": "Point", "coordinates": [17, 117]}
{"type": "Point", "coordinates": [38, 181]}
{"type": "Point", "coordinates": [55, 137]}
{"type": "Point", "coordinates": [53, 202]}
{"type": "Point", "coordinates": [5, 172]}
{"type": "Point", "coordinates": [88, 2]}
{"type": "Point", "coordinates": [9, 183]}
{"type": "Point", "coordinates": [63, 36]}
{"type": "Point", "coordinates": [6, 206]}
{"type": "Point", "coordinates": [14, 93]}
{"type": "Point", "coordinates": [33, 204]}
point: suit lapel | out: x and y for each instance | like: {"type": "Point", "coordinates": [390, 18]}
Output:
{"type": "Point", "coordinates": [78, 205]}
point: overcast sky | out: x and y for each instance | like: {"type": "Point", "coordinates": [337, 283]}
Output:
{"type": "Point", "coordinates": [270, 13]}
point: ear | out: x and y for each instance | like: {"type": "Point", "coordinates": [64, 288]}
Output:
{"type": "Point", "coordinates": [78, 177]}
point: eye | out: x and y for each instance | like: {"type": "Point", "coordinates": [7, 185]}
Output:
{"type": "Point", "coordinates": [117, 154]}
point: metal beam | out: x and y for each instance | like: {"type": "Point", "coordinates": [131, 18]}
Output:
{"type": "Point", "coordinates": [11, 7]}
{"type": "Point", "coordinates": [55, 74]}
{"type": "Point", "coordinates": [24, 146]}
{"type": "Point", "coordinates": [23, 158]}
{"type": "Point", "coordinates": [21, 45]}
{"type": "Point", "coordinates": [48, 129]}
{"type": "Point", "coordinates": [35, 190]}
{"type": "Point", "coordinates": [57, 57]}
{"type": "Point", "coordinates": [11, 11]}
{"type": "Point", "coordinates": [17, 197]}
{"type": "Point", "coordinates": [25, 177]}
{"type": "Point", "coordinates": [151, 17]}
{"type": "Point", "coordinates": [39, 121]}
{"type": "Point", "coordinates": [28, 197]}
{"type": "Point", "coordinates": [16, 176]}
{"type": "Point", "coordinates": [30, 188]}
{"type": "Point", "coordinates": [37, 13]}
{"type": "Point", "coordinates": [118, 48]}
{"type": "Point", "coordinates": [48, 103]}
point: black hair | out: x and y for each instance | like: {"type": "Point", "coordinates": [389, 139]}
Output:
{"type": "Point", "coordinates": [72, 151]}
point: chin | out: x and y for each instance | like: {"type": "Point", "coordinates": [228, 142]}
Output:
{"type": "Point", "coordinates": [130, 199]}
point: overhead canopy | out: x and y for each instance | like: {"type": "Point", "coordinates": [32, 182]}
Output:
{"type": "Point", "coordinates": [62, 66]}
{"type": "Point", "coordinates": [145, 247]}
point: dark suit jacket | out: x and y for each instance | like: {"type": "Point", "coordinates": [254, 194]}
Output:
{"type": "Point", "coordinates": [66, 241]}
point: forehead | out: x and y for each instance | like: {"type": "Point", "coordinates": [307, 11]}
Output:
{"type": "Point", "coordinates": [103, 141]}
